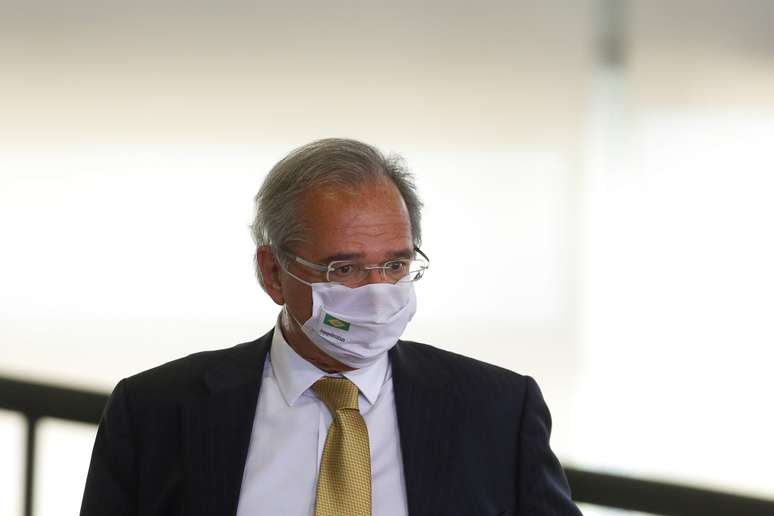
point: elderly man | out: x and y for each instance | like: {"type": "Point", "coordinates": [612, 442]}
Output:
{"type": "Point", "coordinates": [329, 413]}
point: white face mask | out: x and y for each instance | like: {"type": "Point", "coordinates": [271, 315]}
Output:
{"type": "Point", "coordinates": [358, 325]}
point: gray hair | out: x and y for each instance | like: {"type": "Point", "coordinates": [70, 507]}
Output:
{"type": "Point", "coordinates": [332, 161]}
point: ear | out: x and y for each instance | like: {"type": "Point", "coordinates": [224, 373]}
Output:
{"type": "Point", "coordinates": [271, 272]}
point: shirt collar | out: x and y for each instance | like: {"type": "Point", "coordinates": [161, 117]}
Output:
{"type": "Point", "coordinates": [295, 374]}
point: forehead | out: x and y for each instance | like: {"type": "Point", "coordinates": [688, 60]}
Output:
{"type": "Point", "coordinates": [370, 220]}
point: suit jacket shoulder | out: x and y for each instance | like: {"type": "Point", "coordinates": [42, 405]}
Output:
{"type": "Point", "coordinates": [474, 437]}
{"type": "Point", "coordinates": [465, 376]}
{"type": "Point", "coordinates": [173, 439]}
{"type": "Point", "coordinates": [198, 374]}
{"type": "Point", "coordinates": [448, 359]}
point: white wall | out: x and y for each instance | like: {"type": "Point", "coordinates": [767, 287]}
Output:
{"type": "Point", "coordinates": [676, 250]}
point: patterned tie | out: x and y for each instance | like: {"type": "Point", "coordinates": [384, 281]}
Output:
{"type": "Point", "coordinates": [344, 486]}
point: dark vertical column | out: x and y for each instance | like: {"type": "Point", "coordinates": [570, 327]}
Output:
{"type": "Point", "coordinates": [29, 474]}
{"type": "Point", "coordinates": [611, 45]}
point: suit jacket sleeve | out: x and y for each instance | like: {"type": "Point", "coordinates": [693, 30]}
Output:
{"type": "Point", "coordinates": [112, 479]}
{"type": "Point", "coordinates": [543, 488]}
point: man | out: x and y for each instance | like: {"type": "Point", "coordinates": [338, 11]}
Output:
{"type": "Point", "coordinates": [329, 414]}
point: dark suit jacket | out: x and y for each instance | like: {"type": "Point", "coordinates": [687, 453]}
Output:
{"type": "Point", "coordinates": [474, 437]}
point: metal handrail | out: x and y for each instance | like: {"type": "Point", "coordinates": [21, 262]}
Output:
{"type": "Point", "coordinates": [655, 497]}
{"type": "Point", "coordinates": [36, 400]}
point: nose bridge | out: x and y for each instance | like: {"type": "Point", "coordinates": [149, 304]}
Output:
{"type": "Point", "coordinates": [374, 274]}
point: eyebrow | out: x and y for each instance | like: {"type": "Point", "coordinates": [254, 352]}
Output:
{"type": "Point", "coordinates": [354, 256]}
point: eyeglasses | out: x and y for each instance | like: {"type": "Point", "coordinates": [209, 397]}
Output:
{"type": "Point", "coordinates": [348, 273]}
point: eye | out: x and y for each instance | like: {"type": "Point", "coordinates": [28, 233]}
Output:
{"type": "Point", "coordinates": [345, 269]}
{"type": "Point", "coordinates": [396, 266]}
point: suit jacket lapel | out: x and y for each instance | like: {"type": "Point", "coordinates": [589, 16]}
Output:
{"type": "Point", "coordinates": [428, 435]}
{"type": "Point", "coordinates": [217, 428]}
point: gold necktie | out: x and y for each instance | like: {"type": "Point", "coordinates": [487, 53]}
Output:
{"type": "Point", "coordinates": [344, 485]}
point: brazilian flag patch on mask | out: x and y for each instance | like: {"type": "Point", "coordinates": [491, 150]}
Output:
{"type": "Point", "coordinates": [336, 323]}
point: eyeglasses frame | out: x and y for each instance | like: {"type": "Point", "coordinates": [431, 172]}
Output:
{"type": "Point", "coordinates": [327, 269]}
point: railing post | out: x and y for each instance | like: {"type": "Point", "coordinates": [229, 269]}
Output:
{"type": "Point", "coordinates": [29, 465]}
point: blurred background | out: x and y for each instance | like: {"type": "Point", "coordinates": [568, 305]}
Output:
{"type": "Point", "coordinates": [598, 178]}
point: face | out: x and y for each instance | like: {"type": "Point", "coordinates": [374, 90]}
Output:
{"type": "Point", "coordinates": [369, 224]}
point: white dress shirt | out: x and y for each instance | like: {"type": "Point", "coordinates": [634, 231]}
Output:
{"type": "Point", "coordinates": [289, 431]}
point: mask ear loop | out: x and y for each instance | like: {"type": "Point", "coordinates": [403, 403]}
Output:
{"type": "Point", "coordinates": [285, 305]}
{"type": "Point", "coordinates": [287, 313]}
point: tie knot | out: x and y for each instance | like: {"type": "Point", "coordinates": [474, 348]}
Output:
{"type": "Point", "coordinates": [336, 393]}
